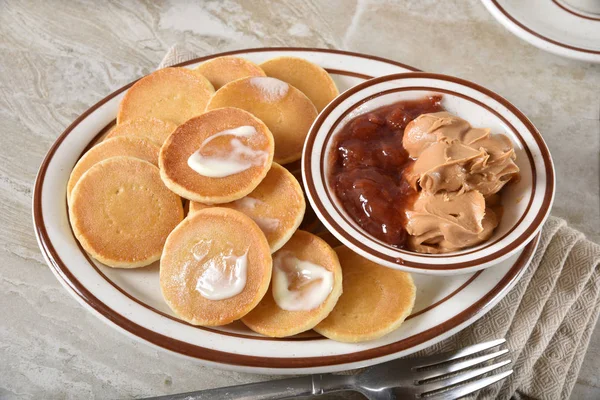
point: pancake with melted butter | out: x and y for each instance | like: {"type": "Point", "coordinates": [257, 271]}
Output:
{"type": "Point", "coordinates": [305, 302]}
{"type": "Point", "coordinates": [308, 77]}
{"type": "Point", "coordinates": [122, 213]}
{"type": "Point", "coordinates": [284, 109]}
{"type": "Point", "coordinates": [277, 206]}
{"type": "Point", "coordinates": [215, 248]}
{"type": "Point", "coordinates": [376, 300]}
{"type": "Point", "coordinates": [169, 94]}
{"type": "Point", "coordinates": [222, 70]}
{"type": "Point", "coordinates": [120, 146]}
{"type": "Point", "coordinates": [217, 157]}
{"type": "Point", "coordinates": [153, 129]}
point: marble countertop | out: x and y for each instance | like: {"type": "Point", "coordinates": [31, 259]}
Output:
{"type": "Point", "coordinates": [58, 58]}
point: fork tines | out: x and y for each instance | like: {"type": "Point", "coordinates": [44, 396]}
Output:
{"type": "Point", "coordinates": [437, 377]}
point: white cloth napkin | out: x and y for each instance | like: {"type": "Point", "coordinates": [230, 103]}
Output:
{"type": "Point", "coordinates": [547, 318]}
{"type": "Point", "coordinates": [176, 54]}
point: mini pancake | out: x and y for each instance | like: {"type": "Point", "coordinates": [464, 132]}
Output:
{"type": "Point", "coordinates": [217, 157]}
{"type": "Point", "coordinates": [169, 94]}
{"type": "Point", "coordinates": [150, 128]}
{"type": "Point", "coordinates": [276, 205]}
{"type": "Point", "coordinates": [122, 213]}
{"type": "Point", "coordinates": [376, 300]}
{"type": "Point", "coordinates": [120, 146]}
{"type": "Point", "coordinates": [215, 268]}
{"type": "Point", "coordinates": [284, 109]}
{"type": "Point", "coordinates": [298, 295]}
{"type": "Point", "coordinates": [222, 70]}
{"type": "Point", "coordinates": [308, 77]}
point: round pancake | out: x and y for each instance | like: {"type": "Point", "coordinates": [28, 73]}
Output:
{"type": "Point", "coordinates": [284, 109]}
{"type": "Point", "coordinates": [120, 146]}
{"type": "Point", "coordinates": [122, 213]}
{"type": "Point", "coordinates": [376, 300]}
{"type": "Point", "coordinates": [309, 78]}
{"type": "Point", "coordinates": [276, 205]}
{"type": "Point", "coordinates": [222, 70]}
{"type": "Point", "coordinates": [169, 94]}
{"type": "Point", "coordinates": [271, 320]}
{"type": "Point", "coordinates": [153, 129]}
{"type": "Point", "coordinates": [193, 135]}
{"type": "Point", "coordinates": [201, 242]}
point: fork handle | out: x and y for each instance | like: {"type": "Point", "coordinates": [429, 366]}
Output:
{"type": "Point", "coordinates": [270, 390]}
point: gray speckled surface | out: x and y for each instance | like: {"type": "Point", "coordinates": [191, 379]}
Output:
{"type": "Point", "coordinates": [57, 58]}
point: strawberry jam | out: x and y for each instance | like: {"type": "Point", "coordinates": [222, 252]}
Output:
{"type": "Point", "coordinates": [368, 161]}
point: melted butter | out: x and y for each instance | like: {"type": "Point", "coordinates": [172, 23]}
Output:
{"type": "Point", "coordinates": [266, 224]}
{"type": "Point", "coordinates": [271, 89]}
{"type": "Point", "coordinates": [232, 161]}
{"type": "Point", "coordinates": [299, 285]}
{"type": "Point", "coordinates": [248, 202]}
{"type": "Point", "coordinates": [224, 273]}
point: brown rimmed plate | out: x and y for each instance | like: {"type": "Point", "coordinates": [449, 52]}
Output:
{"type": "Point", "coordinates": [551, 25]}
{"type": "Point", "coordinates": [130, 300]}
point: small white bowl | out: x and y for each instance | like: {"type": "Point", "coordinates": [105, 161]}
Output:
{"type": "Point", "coordinates": [526, 204]}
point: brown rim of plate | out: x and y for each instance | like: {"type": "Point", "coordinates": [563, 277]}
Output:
{"type": "Point", "coordinates": [174, 345]}
{"type": "Point", "coordinates": [567, 9]}
{"type": "Point", "coordinates": [534, 33]}
{"type": "Point", "coordinates": [359, 243]}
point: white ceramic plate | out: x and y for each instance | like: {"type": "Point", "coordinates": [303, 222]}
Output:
{"type": "Point", "coordinates": [551, 25]}
{"type": "Point", "coordinates": [131, 300]}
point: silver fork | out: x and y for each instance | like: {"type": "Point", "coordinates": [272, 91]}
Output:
{"type": "Point", "coordinates": [434, 378]}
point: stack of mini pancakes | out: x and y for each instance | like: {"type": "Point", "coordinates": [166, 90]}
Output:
{"type": "Point", "coordinates": [214, 139]}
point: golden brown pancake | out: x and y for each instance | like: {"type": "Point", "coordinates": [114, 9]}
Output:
{"type": "Point", "coordinates": [220, 140]}
{"type": "Point", "coordinates": [284, 109]}
{"type": "Point", "coordinates": [107, 130]}
{"type": "Point", "coordinates": [122, 213]}
{"type": "Point", "coordinates": [150, 128]}
{"type": "Point", "coordinates": [120, 146]}
{"type": "Point", "coordinates": [222, 70]}
{"type": "Point", "coordinates": [375, 301]}
{"type": "Point", "coordinates": [206, 249]}
{"type": "Point", "coordinates": [269, 318]}
{"type": "Point", "coordinates": [169, 94]}
{"type": "Point", "coordinates": [310, 78]}
{"type": "Point", "coordinates": [276, 205]}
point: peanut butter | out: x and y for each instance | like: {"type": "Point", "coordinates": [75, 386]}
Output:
{"type": "Point", "coordinates": [456, 168]}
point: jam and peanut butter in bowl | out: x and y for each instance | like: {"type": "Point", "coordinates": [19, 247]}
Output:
{"type": "Point", "coordinates": [417, 177]}
{"type": "Point", "coordinates": [428, 173]}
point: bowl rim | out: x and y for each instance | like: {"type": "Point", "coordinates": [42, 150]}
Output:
{"type": "Point", "coordinates": [480, 258]}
